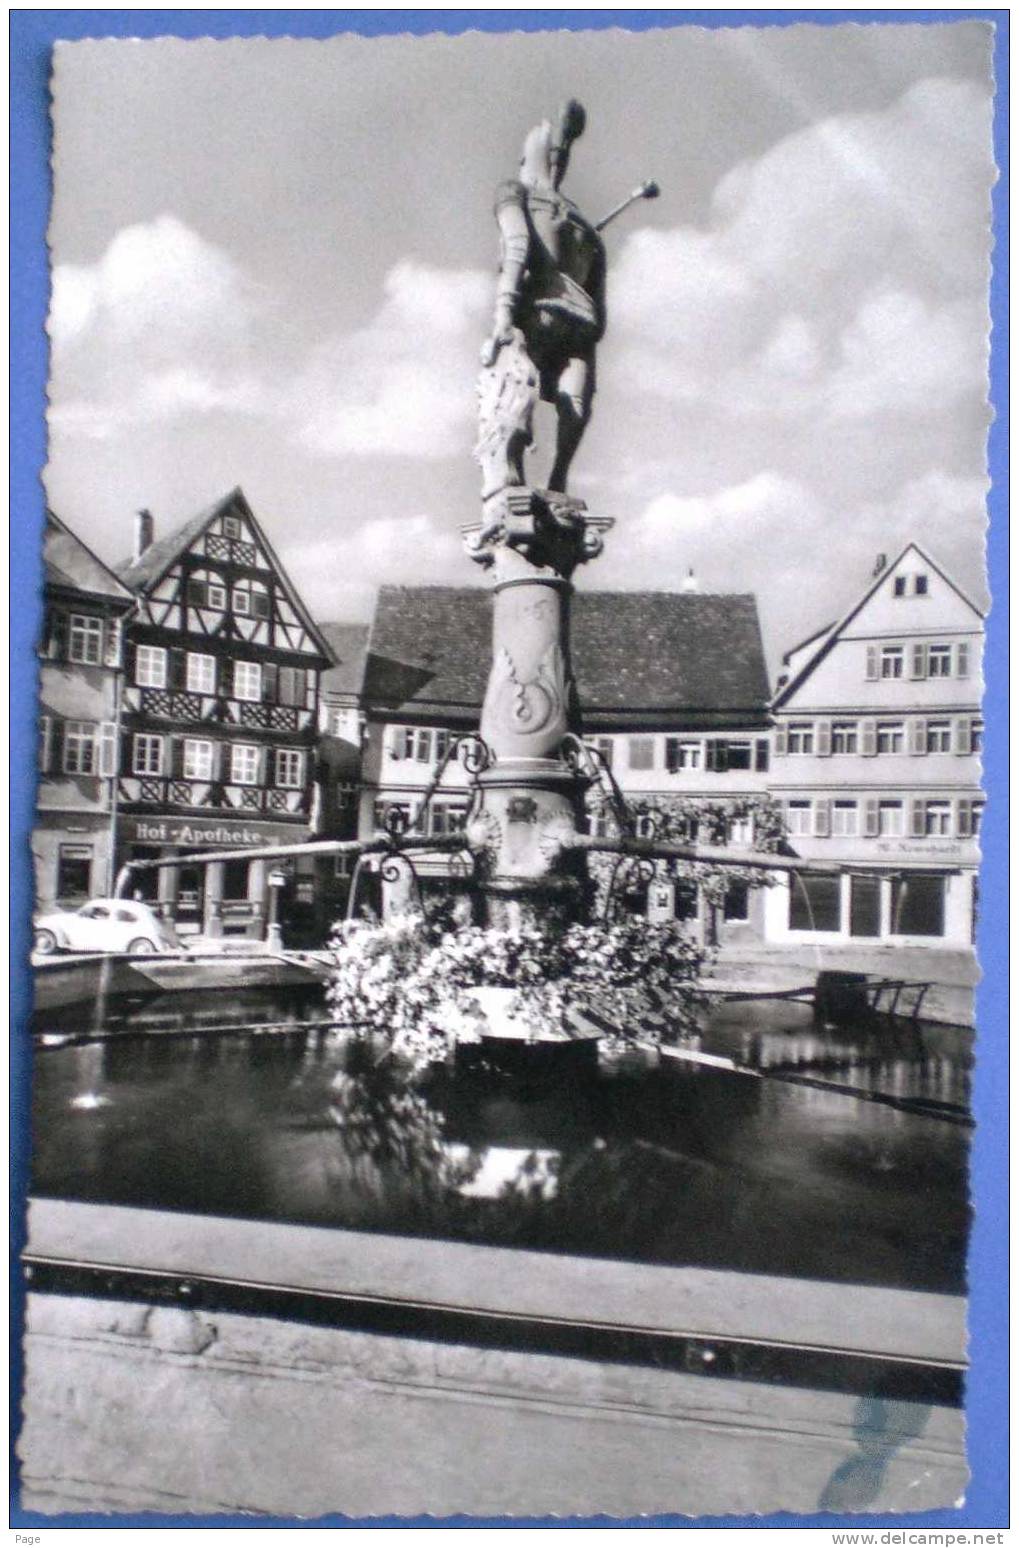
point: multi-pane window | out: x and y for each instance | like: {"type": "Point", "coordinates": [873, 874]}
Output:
{"type": "Point", "coordinates": [244, 761]}
{"type": "Point", "coordinates": [247, 681]}
{"type": "Point", "coordinates": [251, 598]}
{"type": "Point", "coordinates": [680, 755]}
{"type": "Point", "coordinates": [231, 527]}
{"type": "Point", "coordinates": [147, 754]}
{"type": "Point", "coordinates": [889, 819]}
{"type": "Point", "coordinates": [798, 818]}
{"type": "Point", "coordinates": [939, 661]}
{"type": "Point", "coordinates": [890, 736]}
{"type": "Point", "coordinates": [445, 818]}
{"type": "Point", "coordinates": [289, 768]}
{"type": "Point", "coordinates": [205, 589]}
{"type": "Point", "coordinates": [800, 736]}
{"type": "Point", "coordinates": [395, 812]}
{"type": "Point", "coordinates": [939, 736]}
{"type": "Point", "coordinates": [241, 599]}
{"type": "Point", "coordinates": [937, 818]}
{"type": "Point", "coordinates": [201, 673]}
{"type": "Point", "coordinates": [419, 744]}
{"type": "Point", "coordinates": [197, 759]}
{"type": "Point", "coordinates": [641, 752]}
{"type": "Point", "coordinates": [844, 819]}
{"type": "Point", "coordinates": [79, 747]}
{"type": "Point", "coordinates": [150, 666]}
{"type": "Point", "coordinates": [85, 639]}
{"type": "Point", "coordinates": [891, 660]}
{"type": "Point", "coordinates": [843, 736]}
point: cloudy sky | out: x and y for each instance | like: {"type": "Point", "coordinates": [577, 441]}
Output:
{"type": "Point", "coordinates": [273, 264]}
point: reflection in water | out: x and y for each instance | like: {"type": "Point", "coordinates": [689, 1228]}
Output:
{"type": "Point", "coordinates": [671, 1163]}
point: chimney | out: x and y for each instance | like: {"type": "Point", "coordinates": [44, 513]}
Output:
{"type": "Point", "coordinates": [690, 581]}
{"type": "Point", "coordinates": [880, 563]}
{"type": "Point", "coordinates": [144, 531]}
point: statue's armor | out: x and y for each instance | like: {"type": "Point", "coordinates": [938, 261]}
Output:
{"type": "Point", "coordinates": [560, 305]}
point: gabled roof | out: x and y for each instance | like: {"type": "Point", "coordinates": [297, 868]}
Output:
{"type": "Point", "coordinates": [348, 643]}
{"type": "Point", "coordinates": [142, 574]}
{"type": "Point", "coordinates": [828, 637]}
{"type": "Point", "coordinates": [70, 565]}
{"type": "Point", "coordinates": [633, 652]}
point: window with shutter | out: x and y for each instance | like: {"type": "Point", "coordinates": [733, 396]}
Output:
{"type": "Point", "coordinates": [108, 750]}
{"type": "Point", "coordinates": [85, 639]}
{"type": "Point", "coordinates": [868, 738]}
{"type": "Point", "coordinates": [917, 736]}
{"type": "Point", "coordinates": [918, 659]}
{"type": "Point", "coordinates": [824, 738]}
{"type": "Point", "coordinates": [872, 664]}
{"type": "Point", "coordinates": [871, 817]}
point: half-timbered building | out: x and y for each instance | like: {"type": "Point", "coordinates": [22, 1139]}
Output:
{"type": "Point", "coordinates": [219, 715]}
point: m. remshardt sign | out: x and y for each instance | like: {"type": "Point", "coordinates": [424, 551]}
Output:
{"type": "Point", "coordinates": [221, 835]}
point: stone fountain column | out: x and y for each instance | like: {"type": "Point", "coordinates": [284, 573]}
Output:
{"type": "Point", "coordinates": [532, 798]}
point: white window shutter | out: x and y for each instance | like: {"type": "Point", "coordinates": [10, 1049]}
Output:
{"type": "Point", "coordinates": [962, 660]}
{"type": "Point", "coordinates": [868, 738]}
{"type": "Point", "coordinates": [962, 739]}
{"type": "Point", "coordinates": [917, 735]}
{"type": "Point", "coordinates": [823, 733]}
{"type": "Point", "coordinates": [822, 818]}
{"type": "Point", "coordinates": [871, 817]}
{"type": "Point", "coordinates": [918, 661]}
{"type": "Point", "coordinates": [45, 743]}
{"type": "Point", "coordinates": [108, 759]}
{"type": "Point", "coordinates": [917, 818]}
{"type": "Point", "coordinates": [872, 665]}
{"type": "Point", "coordinates": [398, 746]}
{"type": "Point", "coordinates": [780, 741]}
{"type": "Point", "coordinates": [964, 819]}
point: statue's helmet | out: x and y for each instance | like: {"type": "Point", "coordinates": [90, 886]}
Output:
{"type": "Point", "coordinates": [546, 152]}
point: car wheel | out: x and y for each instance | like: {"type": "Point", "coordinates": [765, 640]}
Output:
{"type": "Point", "coordinates": [45, 942]}
{"type": "Point", "coordinates": [142, 947]}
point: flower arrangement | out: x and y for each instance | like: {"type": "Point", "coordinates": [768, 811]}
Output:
{"type": "Point", "coordinates": [411, 981]}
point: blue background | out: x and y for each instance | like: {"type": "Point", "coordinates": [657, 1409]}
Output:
{"type": "Point", "coordinates": [32, 36]}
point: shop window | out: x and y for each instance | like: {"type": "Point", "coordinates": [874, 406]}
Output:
{"type": "Point", "coordinates": [891, 660]}
{"type": "Point", "coordinates": [641, 752]}
{"type": "Point", "coordinates": [844, 737]}
{"type": "Point", "coordinates": [150, 666]}
{"type": "Point", "coordinates": [74, 871]}
{"type": "Point", "coordinates": [79, 747]}
{"type": "Point", "coordinates": [737, 902]}
{"type": "Point", "coordinates": [85, 640]}
{"type": "Point", "coordinates": [814, 901]}
{"type": "Point", "coordinates": [201, 673]}
{"type": "Point", "coordinates": [918, 904]}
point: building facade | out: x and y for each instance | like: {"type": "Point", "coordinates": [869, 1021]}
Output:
{"type": "Point", "coordinates": [220, 719]}
{"type": "Point", "coordinates": [876, 762]}
{"type": "Point", "coordinates": [338, 767]}
{"type": "Point", "coordinates": [81, 659]}
{"type": "Point", "coordinates": [674, 694]}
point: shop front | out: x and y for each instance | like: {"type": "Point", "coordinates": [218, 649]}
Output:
{"type": "Point", "coordinates": [223, 897]}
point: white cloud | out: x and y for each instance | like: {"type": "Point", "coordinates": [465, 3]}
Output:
{"type": "Point", "coordinates": [402, 385]}
{"type": "Point", "coordinates": [410, 550]}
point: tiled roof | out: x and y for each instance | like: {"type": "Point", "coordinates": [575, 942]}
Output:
{"type": "Point", "coordinates": [685, 654]}
{"type": "Point", "coordinates": [158, 557]}
{"type": "Point", "coordinates": [70, 564]}
{"type": "Point", "coordinates": [348, 643]}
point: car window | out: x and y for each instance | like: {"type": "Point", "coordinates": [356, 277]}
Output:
{"type": "Point", "coordinates": [94, 911]}
{"type": "Point", "coordinates": [128, 915]}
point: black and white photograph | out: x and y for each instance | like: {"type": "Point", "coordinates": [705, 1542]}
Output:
{"type": "Point", "coordinates": [507, 837]}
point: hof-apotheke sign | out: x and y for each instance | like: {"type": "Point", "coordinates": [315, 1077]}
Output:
{"type": "Point", "coordinates": [218, 833]}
